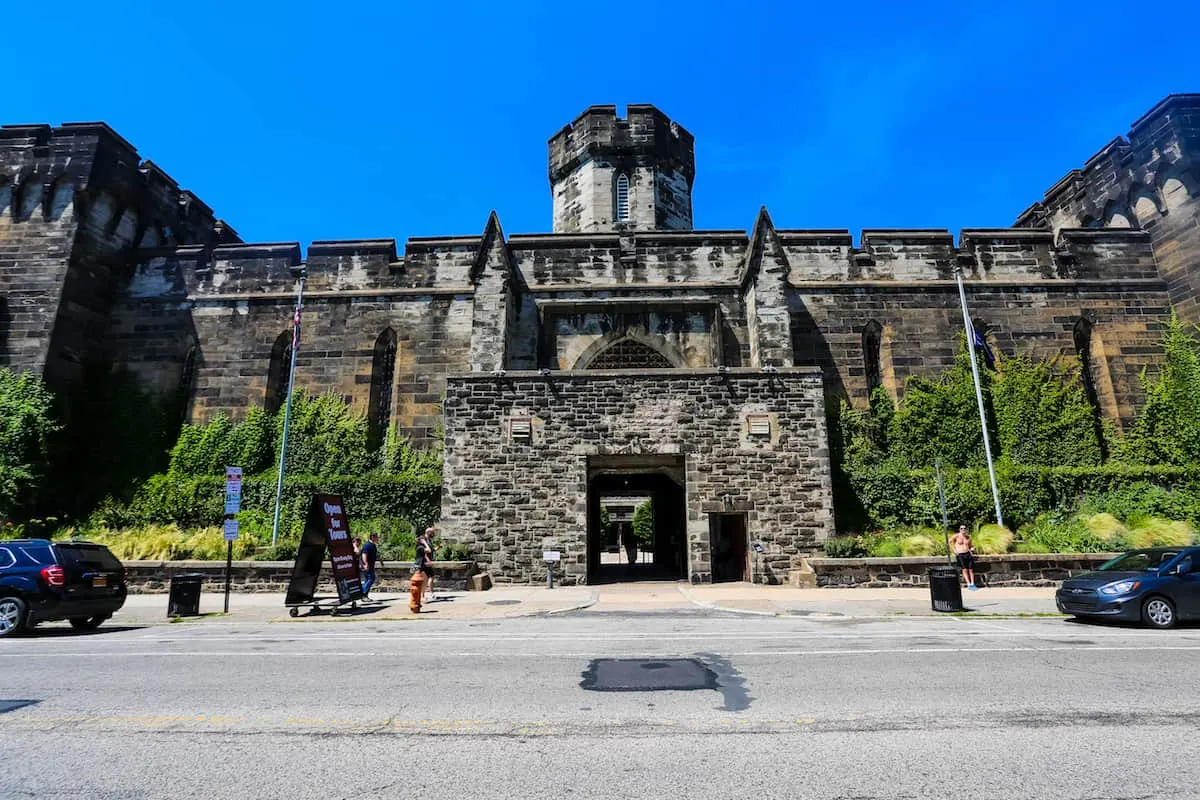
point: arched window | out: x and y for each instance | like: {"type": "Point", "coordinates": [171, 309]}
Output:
{"type": "Point", "coordinates": [872, 338]}
{"type": "Point", "coordinates": [187, 380]}
{"type": "Point", "coordinates": [622, 203]}
{"type": "Point", "coordinates": [383, 371]}
{"type": "Point", "coordinates": [277, 372]}
{"type": "Point", "coordinates": [1083, 339]}
{"type": "Point", "coordinates": [630, 354]}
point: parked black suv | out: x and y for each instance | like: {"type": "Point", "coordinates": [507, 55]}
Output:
{"type": "Point", "coordinates": [42, 581]}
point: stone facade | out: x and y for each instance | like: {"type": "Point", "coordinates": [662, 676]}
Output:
{"type": "Point", "coordinates": [103, 256]}
{"type": "Point", "coordinates": [512, 497]}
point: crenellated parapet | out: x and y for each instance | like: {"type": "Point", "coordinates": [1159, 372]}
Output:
{"type": "Point", "coordinates": [1147, 180]}
{"type": "Point", "coordinates": [611, 173]}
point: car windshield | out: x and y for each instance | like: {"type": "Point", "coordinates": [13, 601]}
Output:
{"type": "Point", "coordinates": [1137, 561]}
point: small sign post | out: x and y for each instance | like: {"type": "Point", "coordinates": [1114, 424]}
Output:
{"type": "Point", "coordinates": [550, 557]}
{"type": "Point", "coordinates": [233, 504]}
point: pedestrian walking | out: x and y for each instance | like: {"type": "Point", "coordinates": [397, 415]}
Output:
{"type": "Point", "coordinates": [964, 555]}
{"type": "Point", "coordinates": [425, 552]}
{"type": "Point", "coordinates": [370, 555]}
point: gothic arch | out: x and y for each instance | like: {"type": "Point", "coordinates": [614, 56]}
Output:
{"type": "Point", "coordinates": [628, 351]}
{"type": "Point", "coordinates": [1177, 185]}
{"type": "Point", "coordinates": [60, 200]}
{"type": "Point", "coordinates": [383, 373]}
{"type": "Point", "coordinates": [1145, 203]}
{"type": "Point", "coordinates": [29, 198]}
{"type": "Point", "coordinates": [1117, 216]}
{"type": "Point", "coordinates": [277, 372]}
{"type": "Point", "coordinates": [872, 343]}
{"type": "Point", "coordinates": [187, 380]}
{"type": "Point", "coordinates": [1097, 382]}
{"type": "Point", "coordinates": [621, 204]}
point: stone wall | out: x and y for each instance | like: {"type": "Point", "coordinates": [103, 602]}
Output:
{"type": "Point", "coordinates": [151, 577]}
{"type": "Point", "coordinates": [1005, 570]}
{"type": "Point", "coordinates": [509, 499]}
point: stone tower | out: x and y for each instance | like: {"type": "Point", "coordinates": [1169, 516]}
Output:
{"type": "Point", "coordinates": [610, 174]}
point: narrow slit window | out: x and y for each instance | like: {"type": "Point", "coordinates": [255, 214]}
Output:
{"type": "Point", "coordinates": [622, 198]}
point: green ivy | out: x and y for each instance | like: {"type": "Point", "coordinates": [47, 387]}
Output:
{"type": "Point", "coordinates": [1167, 430]}
{"type": "Point", "coordinates": [28, 425]}
{"type": "Point", "coordinates": [1043, 416]}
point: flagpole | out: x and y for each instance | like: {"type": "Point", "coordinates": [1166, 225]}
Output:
{"type": "Point", "coordinates": [987, 447]}
{"type": "Point", "coordinates": [287, 408]}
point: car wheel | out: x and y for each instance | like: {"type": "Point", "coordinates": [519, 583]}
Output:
{"type": "Point", "coordinates": [1158, 612]}
{"type": "Point", "coordinates": [87, 623]}
{"type": "Point", "coordinates": [12, 615]}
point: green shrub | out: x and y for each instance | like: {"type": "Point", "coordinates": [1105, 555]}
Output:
{"type": "Point", "coordinates": [992, 540]}
{"type": "Point", "coordinates": [1106, 529]}
{"type": "Point", "coordinates": [1156, 532]}
{"type": "Point", "coordinates": [28, 426]}
{"type": "Point", "coordinates": [455, 551]}
{"type": "Point", "coordinates": [283, 550]}
{"type": "Point", "coordinates": [917, 545]}
{"type": "Point", "coordinates": [643, 525]}
{"type": "Point", "coordinates": [397, 541]}
{"type": "Point", "coordinates": [845, 547]}
{"type": "Point", "coordinates": [883, 546]}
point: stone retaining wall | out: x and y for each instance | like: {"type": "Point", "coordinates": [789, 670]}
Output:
{"type": "Point", "coordinates": [1006, 570]}
{"type": "Point", "coordinates": [148, 577]}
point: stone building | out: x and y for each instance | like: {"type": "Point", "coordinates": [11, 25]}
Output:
{"type": "Point", "coordinates": [623, 354]}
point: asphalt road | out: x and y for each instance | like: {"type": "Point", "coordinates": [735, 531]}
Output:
{"type": "Point", "coordinates": [603, 705]}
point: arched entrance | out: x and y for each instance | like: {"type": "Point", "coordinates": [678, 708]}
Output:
{"type": "Point", "coordinates": [636, 519]}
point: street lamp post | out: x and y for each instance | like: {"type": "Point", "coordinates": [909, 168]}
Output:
{"type": "Point", "coordinates": [987, 447]}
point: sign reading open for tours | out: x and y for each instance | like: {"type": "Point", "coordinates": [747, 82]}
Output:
{"type": "Point", "coordinates": [325, 528]}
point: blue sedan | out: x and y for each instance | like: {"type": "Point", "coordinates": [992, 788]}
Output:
{"type": "Point", "coordinates": [1158, 586]}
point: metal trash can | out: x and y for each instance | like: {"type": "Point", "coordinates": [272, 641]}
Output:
{"type": "Point", "coordinates": [184, 600]}
{"type": "Point", "coordinates": [945, 592]}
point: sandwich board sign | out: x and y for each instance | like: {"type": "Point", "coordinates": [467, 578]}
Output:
{"type": "Point", "coordinates": [326, 528]}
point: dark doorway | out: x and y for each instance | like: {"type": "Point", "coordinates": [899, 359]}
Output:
{"type": "Point", "coordinates": [730, 548]}
{"type": "Point", "coordinates": [636, 519]}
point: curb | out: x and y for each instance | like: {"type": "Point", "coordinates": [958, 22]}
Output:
{"type": "Point", "coordinates": [714, 607]}
{"type": "Point", "coordinates": [595, 598]}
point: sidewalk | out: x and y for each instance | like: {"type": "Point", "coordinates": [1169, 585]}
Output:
{"type": "Point", "coordinates": [786, 601]}
{"type": "Point", "coordinates": [498, 603]}
{"type": "Point", "coordinates": [647, 597]}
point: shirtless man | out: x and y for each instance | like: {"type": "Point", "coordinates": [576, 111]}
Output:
{"type": "Point", "coordinates": [964, 554]}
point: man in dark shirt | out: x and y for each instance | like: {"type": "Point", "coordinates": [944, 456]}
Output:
{"type": "Point", "coordinates": [370, 554]}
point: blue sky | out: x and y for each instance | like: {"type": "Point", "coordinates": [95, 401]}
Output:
{"type": "Point", "coordinates": [304, 120]}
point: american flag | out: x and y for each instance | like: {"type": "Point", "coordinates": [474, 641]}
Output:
{"type": "Point", "coordinates": [296, 329]}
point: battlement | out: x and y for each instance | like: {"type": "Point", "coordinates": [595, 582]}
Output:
{"type": "Point", "coordinates": [91, 166]}
{"type": "Point", "coordinates": [645, 136]}
{"type": "Point", "coordinates": [1167, 134]}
